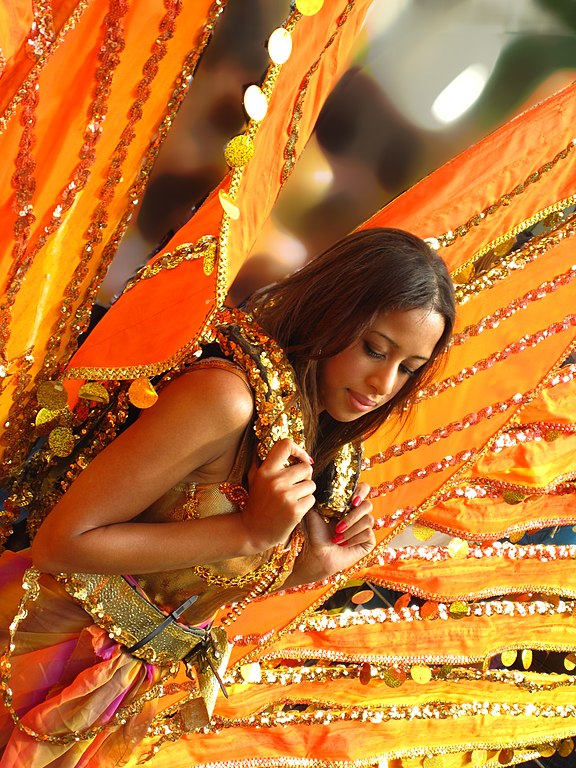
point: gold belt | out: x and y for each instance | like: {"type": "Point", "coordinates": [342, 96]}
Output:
{"type": "Point", "coordinates": [132, 620]}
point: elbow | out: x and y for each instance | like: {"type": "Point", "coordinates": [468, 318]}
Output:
{"type": "Point", "coordinates": [46, 555]}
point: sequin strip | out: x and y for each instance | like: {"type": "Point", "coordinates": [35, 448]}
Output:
{"type": "Point", "coordinates": [294, 127]}
{"type": "Point", "coordinates": [322, 622]}
{"type": "Point", "coordinates": [326, 712]}
{"type": "Point", "coordinates": [525, 342]}
{"type": "Point", "coordinates": [450, 237]}
{"type": "Point", "coordinates": [33, 75]}
{"type": "Point", "coordinates": [540, 552]}
{"type": "Point", "coordinates": [42, 31]}
{"type": "Point", "coordinates": [311, 673]}
{"type": "Point", "coordinates": [515, 260]}
{"type": "Point", "coordinates": [504, 313]}
{"type": "Point", "coordinates": [467, 421]}
{"type": "Point", "coordinates": [109, 58]}
{"type": "Point", "coordinates": [532, 433]}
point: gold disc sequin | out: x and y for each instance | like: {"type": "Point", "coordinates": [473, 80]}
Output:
{"type": "Point", "coordinates": [52, 395]}
{"type": "Point", "coordinates": [570, 662]}
{"type": "Point", "coordinates": [566, 747]}
{"type": "Point", "coordinates": [546, 750]}
{"type": "Point", "coordinates": [251, 673]}
{"type": "Point", "coordinates": [506, 756]}
{"type": "Point", "coordinates": [61, 441]}
{"type": "Point", "coordinates": [513, 497]}
{"type": "Point", "coordinates": [365, 673]}
{"type": "Point", "coordinates": [255, 103]}
{"type": "Point", "coordinates": [458, 548]}
{"type": "Point", "coordinates": [45, 417]}
{"type": "Point", "coordinates": [228, 204]}
{"type": "Point", "coordinates": [239, 151]}
{"type": "Point", "coordinates": [421, 674]}
{"type": "Point", "coordinates": [309, 7]}
{"type": "Point", "coordinates": [394, 678]}
{"type": "Point", "coordinates": [526, 657]}
{"type": "Point", "coordinates": [509, 657]}
{"type": "Point", "coordinates": [422, 532]}
{"type": "Point", "coordinates": [142, 394]}
{"type": "Point", "coordinates": [478, 757]}
{"type": "Point", "coordinates": [94, 391]}
{"type": "Point", "coordinates": [364, 596]}
{"type": "Point", "coordinates": [458, 609]}
{"type": "Point", "coordinates": [280, 45]}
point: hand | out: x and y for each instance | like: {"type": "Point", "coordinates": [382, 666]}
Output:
{"type": "Point", "coordinates": [334, 547]}
{"type": "Point", "coordinates": [280, 494]}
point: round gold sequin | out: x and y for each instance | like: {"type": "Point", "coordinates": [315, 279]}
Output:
{"type": "Point", "coordinates": [255, 103]}
{"type": "Point", "coordinates": [45, 417]}
{"type": "Point", "coordinates": [458, 548]}
{"type": "Point", "coordinates": [394, 678]}
{"type": "Point", "coordinates": [309, 7]}
{"type": "Point", "coordinates": [546, 750]}
{"type": "Point", "coordinates": [552, 435]}
{"type": "Point", "coordinates": [458, 609]}
{"type": "Point", "coordinates": [280, 45]}
{"type": "Point", "coordinates": [61, 441]}
{"type": "Point", "coordinates": [526, 657]}
{"type": "Point", "coordinates": [506, 756]}
{"type": "Point", "coordinates": [464, 274]}
{"type": "Point", "coordinates": [239, 151]}
{"type": "Point", "coordinates": [142, 394]}
{"type": "Point", "coordinates": [514, 538]}
{"type": "Point", "coordinates": [94, 391]}
{"type": "Point", "coordinates": [402, 602]}
{"type": "Point", "coordinates": [429, 610]}
{"type": "Point", "coordinates": [570, 662]}
{"type": "Point", "coordinates": [364, 596]}
{"type": "Point", "coordinates": [422, 532]}
{"type": "Point", "coordinates": [509, 657]}
{"type": "Point", "coordinates": [251, 673]}
{"type": "Point", "coordinates": [228, 204]}
{"type": "Point", "coordinates": [566, 747]}
{"type": "Point", "coordinates": [478, 757]}
{"type": "Point", "coordinates": [52, 395]}
{"type": "Point", "coordinates": [421, 674]}
{"type": "Point", "coordinates": [513, 497]}
{"type": "Point", "coordinates": [365, 674]}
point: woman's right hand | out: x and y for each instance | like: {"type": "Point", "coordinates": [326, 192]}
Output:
{"type": "Point", "coordinates": [280, 493]}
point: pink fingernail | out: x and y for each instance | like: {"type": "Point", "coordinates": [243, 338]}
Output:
{"type": "Point", "coordinates": [341, 527]}
{"type": "Point", "coordinates": [356, 501]}
{"type": "Point", "coordinates": [338, 539]}
{"type": "Point", "coordinates": [310, 459]}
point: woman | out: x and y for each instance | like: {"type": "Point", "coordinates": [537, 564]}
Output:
{"type": "Point", "coordinates": [204, 511]}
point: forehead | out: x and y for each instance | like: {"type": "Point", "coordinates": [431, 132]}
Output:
{"type": "Point", "coordinates": [413, 332]}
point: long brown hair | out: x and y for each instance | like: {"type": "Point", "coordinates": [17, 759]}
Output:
{"type": "Point", "coordinates": [320, 310]}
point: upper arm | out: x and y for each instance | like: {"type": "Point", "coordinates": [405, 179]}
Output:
{"type": "Point", "coordinates": [198, 421]}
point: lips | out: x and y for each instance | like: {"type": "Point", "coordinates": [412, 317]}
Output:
{"type": "Point", "coordinates": [361, 402]}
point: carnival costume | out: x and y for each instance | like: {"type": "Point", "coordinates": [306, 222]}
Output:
{"type": "Point", "coordinates": [445, 675]}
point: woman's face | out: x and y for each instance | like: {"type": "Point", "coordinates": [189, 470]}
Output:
{"type": "Point", "coordinates": [374, 368]}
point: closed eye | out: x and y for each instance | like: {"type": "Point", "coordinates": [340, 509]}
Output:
{"type": "Point", "coordinates": [371, 352]}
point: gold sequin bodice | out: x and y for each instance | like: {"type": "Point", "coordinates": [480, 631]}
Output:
{"type": "Point", "coordinates": [188, 501]}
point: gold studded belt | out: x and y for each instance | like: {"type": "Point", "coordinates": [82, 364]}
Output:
{"type": "Point", "coordinates": [138, 624]}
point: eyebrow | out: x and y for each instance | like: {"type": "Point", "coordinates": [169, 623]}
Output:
{"type": "Point", "coordinates": [397, 346]}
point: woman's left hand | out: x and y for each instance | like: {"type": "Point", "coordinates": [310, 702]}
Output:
{"type": "Point", "coordinates": [333, 547]}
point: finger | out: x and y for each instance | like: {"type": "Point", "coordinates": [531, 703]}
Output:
{"type": "Point", "coordinates": [364, 538]}
{"type": "Point", "coordinates": [361, 493]}
{"type": "Point", "coordinates": [364, 508]}
{"type": "Point", "coordinates": [281, 452]}
{"type": "Point", "coordinates": [362, 526]}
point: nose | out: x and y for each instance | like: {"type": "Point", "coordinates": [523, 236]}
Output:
{"type": "Point", "coordinates": [384, 380]}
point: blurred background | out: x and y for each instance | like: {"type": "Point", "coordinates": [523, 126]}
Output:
{"type": "Point", "coordinates": [428, 78]}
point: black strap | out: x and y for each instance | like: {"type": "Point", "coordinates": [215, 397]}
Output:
{"type": "Point", "coordinates": [170, 619]}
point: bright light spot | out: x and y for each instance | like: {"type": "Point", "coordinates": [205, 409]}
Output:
{"type": "Point", "coordinates": [324, 176]}
{"type": "Point", "coordinates": [460, 94]}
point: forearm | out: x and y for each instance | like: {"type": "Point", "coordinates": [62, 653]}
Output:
{"type": "Point", "coordinates": [134, 547]}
